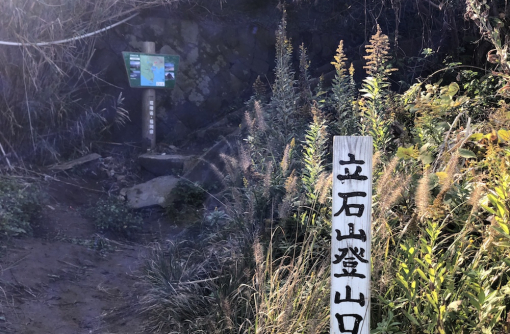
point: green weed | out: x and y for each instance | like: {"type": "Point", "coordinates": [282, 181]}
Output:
{"type": "Point", "coordinates": [112, 215]}
{"type": "Point", "coordinates": [19, 206]}
{"type": "Point", "coordinates": [186, 197]}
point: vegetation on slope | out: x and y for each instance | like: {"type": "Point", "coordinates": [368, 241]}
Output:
{"type": "Point", "coordinates": [441, 229]}
{"type": "Point", "coordinates": [441, 240]}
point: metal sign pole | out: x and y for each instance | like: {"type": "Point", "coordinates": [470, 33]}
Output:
{"type": "Point", "coordinates": [149, 108]}
{"type": "Point", "coordinates": [350, 253]}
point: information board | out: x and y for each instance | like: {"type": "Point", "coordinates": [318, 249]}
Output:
{"type": "Point", "coordinates": [150, 70]}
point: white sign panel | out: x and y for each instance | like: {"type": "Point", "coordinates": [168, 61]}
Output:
{"type": "Point", "coordinates": [350, 252]}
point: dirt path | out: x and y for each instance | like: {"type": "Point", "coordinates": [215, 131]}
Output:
{"type": "Point", "coordinates": [67, 279]}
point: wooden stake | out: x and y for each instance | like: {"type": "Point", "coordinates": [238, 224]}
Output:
{"type": "Point", "coordinates": [351, 222]}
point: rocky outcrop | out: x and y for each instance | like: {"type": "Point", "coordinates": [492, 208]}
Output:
{"type": "Point", "coordinates": [222, 51]}
{"type": "Point", "coordinates": [219, 61]}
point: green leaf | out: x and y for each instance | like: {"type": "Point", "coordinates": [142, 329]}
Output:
{"type": "Point", "coordinates": [422, 274]}
{"type": "Point", "coordinates": [501, 209]}
{"type": "Point", "coordinates": [493, 199]}
{"type": "Point", "coordinates": [501, 193]}
{"type": "Point", "coordinates": [402, 281]}
{"type": "Point", "coordinates": [488, 209]}
{"type": "Point", "coordinates": [431, 300]}
{"type": "Point", "coordinates": [426, 158]}
{"type": "Point", "coordinates": [411, 317]}
{"type": "Point", "coordinates": [453, 88]}
{"type": "Point", "coordinates": [407, 153]}
{"type": "Point", "coordinates": [504, 135]}
{"type": "Point", "coordinates": [476, 136]}
{"type": "Point", "coordinates": [503, 229]}
{"type": "Point", "coordinates": [473, 301]}
{"type": "Point", "coordinates": [465, 153]}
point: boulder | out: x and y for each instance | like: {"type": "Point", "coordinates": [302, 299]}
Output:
{"type": "Point", "coordinates": [151, 193]}
{"type": "Point", "coordinates": [168, 164]}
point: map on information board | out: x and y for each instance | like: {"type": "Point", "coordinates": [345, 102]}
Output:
{"type": "Point", "coordinates": [150, 70]}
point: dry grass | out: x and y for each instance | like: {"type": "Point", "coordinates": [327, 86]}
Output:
{"type": "Point", "coordinates": [195, 286]}
{"type": "Point", "coordinates": [41, 114]}
{"type": "Point", "coordinates": [423, 195]}
{"type": "Point", "coordinates": [291, 291]}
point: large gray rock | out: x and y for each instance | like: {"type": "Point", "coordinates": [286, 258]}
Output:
{"type": "Point", "coordinates": [153, 192]}
{"type": "Point", "coordinates": [169, 164]}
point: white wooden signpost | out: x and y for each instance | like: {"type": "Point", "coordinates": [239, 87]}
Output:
{"type": "Point", "coordinates": [350, 253]}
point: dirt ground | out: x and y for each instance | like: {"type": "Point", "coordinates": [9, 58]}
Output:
{"type": "Point", "coordinates": [66, 278]}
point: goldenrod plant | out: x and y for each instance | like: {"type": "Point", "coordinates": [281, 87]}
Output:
{"type": "Point", "coordinates": [374, 107]}
{"type": "Point", "coordinates": [343, 92]}
{"type": "Point", "coordinates": [284, 108]}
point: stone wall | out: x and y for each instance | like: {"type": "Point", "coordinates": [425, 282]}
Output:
{"type": "Point", "coordinates": [222, 51]}
{"type": "Point", "coordinates": [219, 61]}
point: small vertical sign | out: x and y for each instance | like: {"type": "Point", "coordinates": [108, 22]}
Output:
{"type": "Point", "coordinates": [350, 252]}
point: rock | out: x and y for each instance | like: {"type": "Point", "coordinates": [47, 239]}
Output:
{"type": "Point", "coordinates": [260, 66]}
{"type": "Point", "coordinates": [170, 130]}
{"type": "Point", "coordinates": [153, 192]}
{"type": "Point", "coordinates": [210, 134]}
{"type": "Point", "coordinates": [316, 44]}
{"type": "Point", "coordinates": [166, 49]}
{"type": "Point", "coordinates": [240, 71]}
{"type": "Point", "coordinates": [76, 162]}
{"type": "Point", "coordinates": [157, 25]}
{"type": "Point", "coordinates": [189, 32]}
{"type": "Point", "coordinates": [218, 64]}
{"type": "Point", "coordinates": [209, 169]}
{"type": "Point", "coordinates": [172, 164]}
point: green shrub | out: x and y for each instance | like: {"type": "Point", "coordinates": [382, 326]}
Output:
{"type": "Point", "coordinates": [185, 197]}
{"type": "Point", "coordinates": [19, 206]}
{"type": "Point", "coordinates": [113, 215]}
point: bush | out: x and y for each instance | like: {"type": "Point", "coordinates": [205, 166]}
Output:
{"type": "Point", "coordinates": [185, 197]}
{"type": "Point", "coordinates": [113, 215]}
{"type": "Point", "coordinates": [19, 206]}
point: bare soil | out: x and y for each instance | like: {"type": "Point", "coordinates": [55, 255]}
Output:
{"type": "Point", "coordinates": [67, 278]}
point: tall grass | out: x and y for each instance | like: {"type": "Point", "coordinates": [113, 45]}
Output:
{"type": "Point", "coordinates": [291, 291]}
{"type": "Point", "coordinates": [42, 110]}
{"type": "Point", "coordinates": [196, 285]}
